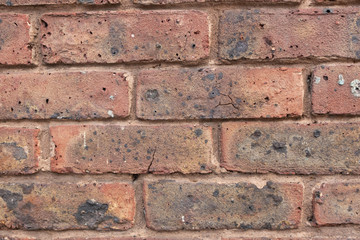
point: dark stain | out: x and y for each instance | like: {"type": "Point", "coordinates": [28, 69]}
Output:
{"type": "Point", "coordinates": [10, 198]}
{"type": "Point", "coordinates": [307, 153]}
{"type": "Point", "coordinates": [214, 92]}
{"type": "Point", "coordinates": [317, 133]}
{"type": "Point", "coordinates": [92, 213]}
{"type": "Point", "coordinates": [357, 53]}
{"type": "Point", "coordinates": [358, 22]}
{"type": "Point", "coordinates": [209, 76]}
{"type": "Point", "coordinates": [27, 189]}
{"type": "Point", "coordinates": [357, 152]}
{"type": "Point", "coordinates": [8, 3]}
{"type": "Point", "coordinates": [198, 132]}
{"type": "Point", "coordinates": [268, 41]}
{"type": "Point", "coordinates": [241, 46]}
{"type": "Point", "coordinates": [116, 38]}
{"type": "Point", "coordinates": [17, 151]}
{"type": "Point", "coordinates": [256, 134]}
{"type": "Point", "coordinates": [280, 147]}
{"type": "Point", "coordinates": [277, 200]}
{"type": "Point", "coordinates": [152, 94]}
{"type": "Point", "coordinates": [216, 193]}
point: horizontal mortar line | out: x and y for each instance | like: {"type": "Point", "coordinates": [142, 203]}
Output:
{"type": "Point", "coordinates": [110, 121]}
{"type": "Point", "coordinates": [162, 65]}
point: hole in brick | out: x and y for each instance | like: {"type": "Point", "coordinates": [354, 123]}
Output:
{"type": "Point", "coordinates": [47, 100]}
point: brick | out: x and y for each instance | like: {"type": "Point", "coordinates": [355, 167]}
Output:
{"type": "Point", "coordinates": [47, 2]}
{"type": "Point", "coordinates": [19, 150]}
{"type": "Point", "coordinates": [127, 36]}
{"type": "Point", "coordinates": [337, 203]}
{"type": "Point", "coordinates": [132, 149]}
{"type": "Point", "coordinates": [291, 148]}
{"type": "Point", "coordinates": [72, 95]}
{"type": "Point", "coordinates": [65, 206]}
{"type": "Point", "coordinates": [307, 238]}
{"type": "Point", "coordinates": [162, 2]}
{"type": "Point", "coordinates": [15, 39]}
{"type": "Point", "coordinates": [175, 205]}
{"type": "Point", "coordinates": [336, 89]}
{"type": "Point", "coordinates": [310, 33]}
{"type": "Point", "coordinates": [221, 92]}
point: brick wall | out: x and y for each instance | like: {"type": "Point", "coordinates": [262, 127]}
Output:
{"type": "Point", "coordinates": [179, 119]}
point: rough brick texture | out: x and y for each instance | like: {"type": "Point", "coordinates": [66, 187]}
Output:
{"type": "Point", "coordinates": [291, 148]}
{"type": "Point", "coordinates": [19, 150]}
{"type": "Point", "coordinates": [61, 206]}
{"type": "Point", "coordinates": [336, 89]}
{"type": "Point", "coordinates": [132, 149]}
{"type": "Point", "coordinates": [173, 205]}
{"type": "Point", "coordinates": [15, 39]}
{"type": "Point", "coordinates": [223, 92]}
{"type": "Point", "coordinates": [282, 34]}
{"type": "Point", "coordinates": [73, 95]}
{"type": "Point", "coordinates": [337, 203]}
{"type": "Point", "coordinates": [46, 2]}
{"type": "Point", "coordinates": [128, 36]}
{"type": "Point", "coordinates": [179, 119]}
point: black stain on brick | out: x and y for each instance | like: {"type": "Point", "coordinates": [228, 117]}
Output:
{"type": "Point", "coordinates": [17, 152]}
{"type": "Point", "coordinates": [317, 133]}
{"type": "Point", "coordinates": [11, 199]}
{"type": "Point", "coordinates": [27, 188]}
{"type": "Point", "coordinates": [92, 213]}
{"type": "Point", "coordinates": [198, 132]}
{"type": "Point", "coordinates": [280, 147]}
{"type": "Point", "coordinates": [152, 94]}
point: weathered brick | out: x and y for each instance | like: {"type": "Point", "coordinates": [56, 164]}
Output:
{"type": "Point", "coordinates": [284, 34]}
{"type": "Point", "coordinates": [46, 2]}
{"type": "Point", "coordinates": [337, 203]}
{"type": "Point", "coordinates": [161, 2]}
{"type": "Point", "coordinates": [336, 89]}
{"type": "Point", "coordinates": [61, 206]}
{"type": "Point", "coordinates": [19, 150]}
{"type": "Point", "coordinates": [72, 95]}
{"type": "Point", "coordinates": [291, 238]}
{"type": "Point", "coordinates": [126, 36]}
{"type": "Point", "coordinates": [291, 148]}
{"type": "Point", "coordinates": [334, 2]}
{"type": "Point", "coordinates": [15, 39]}
{"type": "Point", "coordinates": [222, 92]}
{"type": "Point", "coordinates": [15, 238]}
{"type": "Point", "coordinates": [175, 205]}
{"type": "Point", "coordinates": [132, 149]}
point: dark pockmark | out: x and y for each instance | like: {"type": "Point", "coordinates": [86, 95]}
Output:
{"type": "Point", "coordinates": [114, 51]}
{"type": "Point", "coordinates": [198, 132]}
{"type": "Point", "coordinates": [357, 152]}
{"type": "Point", "coordinates": [216, 193]}
{"type": "Point", "coordinates": [17, 152]}
{"type": "Point", "coordinates": [152, 94]}
{"type": "Point", "coordinates": [92, 213]}
{"type": "Point", "coordinates": [280, 147]}
{"type": "Point", "coordinates": [27, 189]}
{"type": "Point", "coordinates": [8, 3]}
{"type": "Point", "coordinates": [317, 133]}
{"type": "Point", "coordinates": [10, 198]}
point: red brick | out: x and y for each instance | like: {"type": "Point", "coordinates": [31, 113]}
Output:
{"type": "Point", "coordinates": [19, 150]}
{"type": "Point", "coordinates": [283, 34]}
{"type": "Point", "coordinates": [46, 2]}
{"type": "Point", "coordinates": [132, 149]}
{"type": "Point", "coordinates": [221, 92]}
{"type": "Point", "coordinates": [162, 2]}
{"type": "Point", "coordinates": [62, 206]}
{"type": "Point", "coordinates": [127, 36]}
{"type": "Point", "coordinates": [337, 203]}
{"type": "Point", "coordinates": [15, 238]}
{"type": "Point", "coordinates": [177, 205]}
{"type": "Point", "coordinates": [15, 39]}
{"type": "Point", "coordinates": [334, 2]}
{"type": "Point", "coordinates": [291, 148]}
{"type": "Point", "coordinates": [336, 89]}
{"type": "Point", "coordinates": [72, 95]}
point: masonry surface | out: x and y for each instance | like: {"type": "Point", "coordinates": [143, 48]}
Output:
{"type": "Point", "coordinates": [179, 119]}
